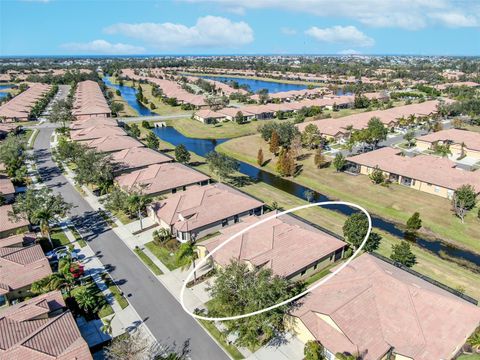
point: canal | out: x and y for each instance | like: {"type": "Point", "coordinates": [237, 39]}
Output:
{"type": "Point", "coordinates": [129, 94]}
{"type": "Point", "coordinates": [203, 146]}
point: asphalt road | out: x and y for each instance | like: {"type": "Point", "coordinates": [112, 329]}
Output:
{"type": "Point", "coordinates": [156, 306]}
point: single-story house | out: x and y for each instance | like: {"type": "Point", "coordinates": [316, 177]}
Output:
{"type": "Point", "coordinates": [7, 190]}
{"type": "Point", "coordinates": [159, 179]}
{"type": "Point", "coordinates": [288, 246]}
{"type": "Point", "coordinates": [96, 132]}
{"type": "Point", "coordinates": [89, 101]}
{"type": "Point", "coordinates": [137, 158]}
{"type": "Point", "coordinates": [18, 240]}
{"type": "Point", "coordinates": [461, 142]}
{"type": "Point", "coordinates": [208, 116]}
{"type": "Point", "coordinates": [9, 226]}
{"type": "Point", "coordinates": [21, 266]}
{"type": "Point", "coordinates": [378, 310]}
{"type": "Point", "coordinates": [112, 143]}
{"type": "Point", "coordinates": [203, 210]}
{"type": "Point", "coordinates": [41, 328]}
{"type": "Point", "coordinates": [427, 173]}
{"type": "Point", "coordinates": [93, 121]}
{"type": "Point", "coordinates": [230, 113]}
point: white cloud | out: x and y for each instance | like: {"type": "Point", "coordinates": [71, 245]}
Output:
{"type": "Point", "coordinates": [209, 31]}
{"type": "Point", "coordinates": [407, 14]}
{"type": "Point", "coordinates": [349, 52]}
{"type": "Point", "coordinates": [455, 19]}
{"type": "Point", "coordinates": [237, 10]}
{"type": "Point", "coordinates": [288, 31]}
{"type": "Point", "coordinates": [341, 35]}
{"type": "Point", "coordinates": [103, 47]}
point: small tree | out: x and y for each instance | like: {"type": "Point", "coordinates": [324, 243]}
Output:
{"type": "Point", "coordinates": [186, 255]}
{"type": "Point", "coordinates": [134, 130]}
{"type": "Point", "coordinates": [464, 199]}
{"type": "Point", "coordinates": [311, 136]}
{"type": "Point", "coordinates": [414, 223]}
{"type": "Point", "coordinates": [260, 159]}
{"type": "Point", "coordinates": [313, 350]}
{"type": "Point", "coordinates": [355, 229]}
{"type": "Point", "coordinates": [409, 137]}
{"type": "Point", "coordinates": [222, 165]}
{"type": "Point", "coordinates": [161, 235]}
{"type": "Point", "coordinates": [239, 118]}
{"type": "Point", "coordinates": [319, 159]}
{"type": "Point", "coordinates": [339, 162]}
{"type": "Point", "coordinates": [308, 195]}
{"type": "Point", "coordinates": [402, 254]}
{"type": "Point", "coordinates": [377, 176]}
{"type": "Point", "coordinates": [274, 143]}
{"type": "Point", "coordinates": [181, 154]}
{"type": "Point", "coordinates": [137, 203]}
{"type": "Point", "coordinates": [152, 140]}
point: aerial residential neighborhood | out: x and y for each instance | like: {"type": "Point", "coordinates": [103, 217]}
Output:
{"type": "Point", "coordinates": [261, 180]}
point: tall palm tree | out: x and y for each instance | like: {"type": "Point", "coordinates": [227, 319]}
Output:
{"type": "Point", "coordinates": [137, 203]}
{"type": "Point", "coordinates": [186, 255]}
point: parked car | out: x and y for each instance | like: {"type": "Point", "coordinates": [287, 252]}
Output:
{"type": "Point", "coordinates": [53, 253]}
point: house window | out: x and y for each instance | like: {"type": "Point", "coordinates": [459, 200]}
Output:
{"type": "Point", "coordinates": [3, 300]}
{"type": "Point", "coordinates": [184, 188]}
{"type": "Point", "coordinates": [303, 272]}
{"type": "Point", "coordinates": [224, 222]}
{"type": "Point", "coordinates": [174, 191]}
{"type": "Point", "coordinates": [413, 182]}
{"type": "Point", "coordinates": [235, 218]}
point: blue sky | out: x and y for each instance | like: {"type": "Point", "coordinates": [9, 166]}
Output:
{"type": "Point", "coordinates": [423, 27]}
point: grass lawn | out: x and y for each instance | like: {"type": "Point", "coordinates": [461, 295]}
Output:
{"type": "Point", "coordinates": [78, 237]}
{"type": "Point", "coordinates": [58, 237]}
{"type": "Point", "coordinates": [127, 109]}
{"type": "Point", "coordinates": [228, 129]}
{"type": "Point", "coordinates": [321, 274]}
{"type": "Point", "coordinates": [156, 270]}
{"type": "Point", "coordinates": [469, 357]}
{"type": "Point", "coordinates": [395, 203]}
{"type": "Point", "coordinates": [221, 338]}
{"type": "Point", "coordinates": [163, 255]}
{"type": "Point", "coordinates": [114, 289]}
{"type": "Point", "coordinates": [444, 271]}
{"type": "Point", "coordinates": [124, 218]}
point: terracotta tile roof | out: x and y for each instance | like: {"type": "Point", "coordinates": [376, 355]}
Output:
{"type": "Point", "coordinates": [6, 185]}
{"type": "Point", "coordinates": [427, 168]}
{"type": "Point", "coordinates": [113, 143]}
{"type": "Point", "coordinates": [285, 245]}
{"type": "Point", "coordinates": [19, 107]}
{"type": "Point", "coordinates": [17, 240]}
{"type": "Point", "coordinates": [93, 121]}
{"type": "Point", "coordinates": [5, 223]}
{"type": "Point", "coordinates": [95, 132]}
{"type": "Point", "coordinates": [471, 139]}
{"type": "Point", "coordinates": [207, 113]}
{"type": "Point", "coordinates": [138, 157]}
{"type": "Point", "coordinates": [378, 306]}
{"type": "Point", "coordinates": [89, 100]}
{"type": "Point", "coordinates": [21, 266]}
{"type": "Point", "coordinates": [158, 178]}
{"type": "Point", "coordinates": [203, 205]}
{"type": "Point", "coordinates": [35, 329]}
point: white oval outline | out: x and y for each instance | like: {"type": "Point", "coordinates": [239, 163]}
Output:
{"type": "Point", "coordinates": [324, 280]}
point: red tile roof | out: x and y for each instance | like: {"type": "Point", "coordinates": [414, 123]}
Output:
{"type": "Point", "coordinates": [36, 330]}
{"type": "Point", "coordinates": [6, 224]}
{"type": "Point", "coordinates": [378, 306]}
{"type": "Point", "coordinates": [138, 157]}
{"type": "Point", "coordinates": [471, 139]}
{"type": "Point", "coordinates": [284, 244]}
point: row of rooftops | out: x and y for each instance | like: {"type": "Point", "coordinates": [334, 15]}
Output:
{"type": "Point", "coordinates": [20, 106]}
{"type": "Point", "coordinates": [89, 100]}
{"type": "Point", "coordinates": [389, 117]}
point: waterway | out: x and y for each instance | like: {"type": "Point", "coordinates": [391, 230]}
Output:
{"type": "Point", "coordinates": [256, 85]}
{"type": "Point", "coordinates": [129, 94]}
{"type": "Point", "coordinates": [203, 146]}
{"type": "Point", "coordinates": [4, 93]}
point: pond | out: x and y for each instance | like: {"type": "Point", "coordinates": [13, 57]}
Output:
{"type": "Point", "coordinates": [203, 146]}
{"type": "Point", "coordinates": [129, 94]}
{"type": "Point", "coordinates": [5, 93]}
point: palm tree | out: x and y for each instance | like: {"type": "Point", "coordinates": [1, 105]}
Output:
{"type": "Point", "coordinates": [87, 300]}
{"type": "Point", "coordinates": [136, 203]}
{"type": "Point", "coordinates": [106, 328]}
{"type": "Point", "coordinates": [186, 255]}
{"type": "Point", "coordinates": [55, 281]}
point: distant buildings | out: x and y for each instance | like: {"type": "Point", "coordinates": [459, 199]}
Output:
{"type": "Point", "coordinates": [19, 108]}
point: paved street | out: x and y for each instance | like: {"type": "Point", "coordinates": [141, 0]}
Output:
{"type": "Point", "coordinates": [158, 308]}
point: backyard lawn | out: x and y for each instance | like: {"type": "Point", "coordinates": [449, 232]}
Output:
{"type": "Point", "coordinates": [228, 129]}
{"type": "Point", "coordinates": [164, 255]}
{"type": "Point", "coordinates": [395, 203]}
